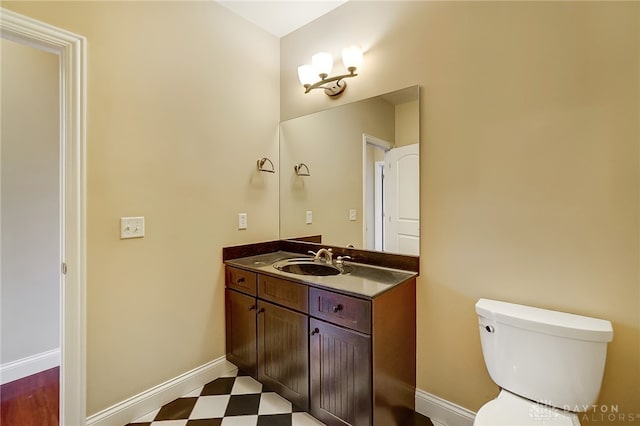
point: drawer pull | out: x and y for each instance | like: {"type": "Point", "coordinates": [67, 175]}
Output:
{"type": "Point", "coordinates": [252, 307]}
{"type": "Point", "coordinates": [315, 331]}
{"type": "Point", "coordinates": [240, 280]}
{"type": "Point", "coordinates": [337, 308]}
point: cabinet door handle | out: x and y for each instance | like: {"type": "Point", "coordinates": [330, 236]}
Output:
{"type": "Point", "coordinates": [252, 307]}
{"type": "Point", "coordinates": [261, 310]}
{"type": "Point", "coordinates": [240, 280]}
{"type": "Point", "coordinates": [315, 331]}
{"type": "Point", "coordinates": [337, 308]}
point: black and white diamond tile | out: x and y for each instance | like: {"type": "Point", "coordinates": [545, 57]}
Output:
{"type": "Point", "coordinates": [234, 400]}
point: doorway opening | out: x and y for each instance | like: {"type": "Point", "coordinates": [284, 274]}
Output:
{"type": "Point", "coordinates": [30, 232]}
{"type": "Point", "coordinates": [70, 50]}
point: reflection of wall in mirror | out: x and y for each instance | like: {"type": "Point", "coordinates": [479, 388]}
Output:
{"type": "Point", "coordinates": [407, 123]}
{"type": "Point", "coordinates": [330, 143]}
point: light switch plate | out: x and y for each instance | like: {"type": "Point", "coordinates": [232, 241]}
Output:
{"type": "Point", "coordinates": [309, 217]}
{"type": "Point", "coordinates": [131, 227]}
{"type": "Point", "coordinates": [353, 214]}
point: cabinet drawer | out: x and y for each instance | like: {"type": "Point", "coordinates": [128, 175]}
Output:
{"type": "Point", "coordinates": [339, 309]}
{"type": "Point", "coordinates": [241, 280]}
{"type": "Point", "coordinates": [283, 292]}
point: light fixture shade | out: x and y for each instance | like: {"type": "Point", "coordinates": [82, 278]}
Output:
{"type": "Point", "coordinates": [322, 63]}
{"type": "Point", "coordinates": [306, 74]}
{"type": "Point", "coordinates": [352, 57]}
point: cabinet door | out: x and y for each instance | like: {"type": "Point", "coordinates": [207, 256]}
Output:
{"type": "Point", "coordinates": [340, 364]}
{"type": "Point", "coordinates": [240, 312]}
{"type": "Point", "coordinates": [283, 352]}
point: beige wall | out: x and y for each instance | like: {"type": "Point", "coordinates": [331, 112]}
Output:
{"type": "Point", "coordinates": [330, 144]}
{"type": "Point", "coordinates": [181, 104]}
{"type": "Point", "coordinates": [529, 165]}
{"type": "Point", "coordinates": [30, 176]}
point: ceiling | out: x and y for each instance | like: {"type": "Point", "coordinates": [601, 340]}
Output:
{"type": "Point", "coordinates": [281, 17]}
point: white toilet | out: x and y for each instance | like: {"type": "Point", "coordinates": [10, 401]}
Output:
{"type": "Point", "coordinates": [548, 364]}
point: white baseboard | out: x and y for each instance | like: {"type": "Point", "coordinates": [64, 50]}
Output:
{"type": "Point", "coordinates": [137, 406]}
{"type": "Point", "coordinates": [442, 412]}
{"type": "Point", "coordinates": [33, 364]}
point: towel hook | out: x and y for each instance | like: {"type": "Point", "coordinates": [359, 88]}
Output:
{"type": "Point", "coordinates": [262, 168]}
{"type": "Point", "coordinates": [298, 169]}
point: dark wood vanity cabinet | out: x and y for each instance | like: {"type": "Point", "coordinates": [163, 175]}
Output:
{"type": "Point", "coordinates": [345, 359]}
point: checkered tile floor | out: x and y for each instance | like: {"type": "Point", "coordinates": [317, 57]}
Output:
{"type": "Point", "coordinates": [235, 400]}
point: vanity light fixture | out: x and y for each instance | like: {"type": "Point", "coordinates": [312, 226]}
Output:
{"type": "Point", "coordinates": [321, 65]}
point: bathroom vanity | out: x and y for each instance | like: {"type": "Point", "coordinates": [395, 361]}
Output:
{"type": "Point", "coordinates": [341, 347]}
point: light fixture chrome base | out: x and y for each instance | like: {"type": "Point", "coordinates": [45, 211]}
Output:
{"type": "Point", "coordinates": [335, 88]}
{"type": "Point", "coordinates": [332, 86]}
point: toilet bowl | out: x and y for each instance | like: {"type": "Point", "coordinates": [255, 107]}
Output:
{"type": "Point", "coordinates": [547, 363]}
{"type": "Point", "coordinates": [511, 410]}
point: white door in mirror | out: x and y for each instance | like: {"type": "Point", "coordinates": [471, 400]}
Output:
{"type": "Point", "coordinates": [131, 227]}
{"type": "Point", "coordinates": [402, 200]}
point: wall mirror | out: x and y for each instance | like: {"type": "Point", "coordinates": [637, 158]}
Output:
{"type": "Point", "coordinates": [351, 174]}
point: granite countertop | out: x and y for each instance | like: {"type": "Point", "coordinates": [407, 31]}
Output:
{"type": "Point", "coordinates": [359, 279]}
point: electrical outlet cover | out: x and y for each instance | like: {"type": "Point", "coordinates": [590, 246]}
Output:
{"type": "Point", "coordinates": [242, 221]}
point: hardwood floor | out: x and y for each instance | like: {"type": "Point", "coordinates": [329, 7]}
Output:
{"type": "Point", "coordinates": [31, 401]}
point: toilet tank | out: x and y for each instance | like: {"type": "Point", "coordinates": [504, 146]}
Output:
{"type": "Point", "coordinates": [554, 358]}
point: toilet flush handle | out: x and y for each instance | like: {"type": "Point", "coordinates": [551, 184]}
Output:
{"type": "Point", "coordinates": [489, 328]}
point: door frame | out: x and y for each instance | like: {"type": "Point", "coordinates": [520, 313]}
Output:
{"type": "Point", "coordinates": [71, 49]}
{"type": "Point", "coordinates": [378, 205]}
{"type": "Point", "coordinates": [369, 140]}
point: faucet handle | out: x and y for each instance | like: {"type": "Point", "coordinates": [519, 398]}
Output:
{"type": "Point", "coordinates": [340, 259]}
{"type": "Point", "coordinates": [312, 252]}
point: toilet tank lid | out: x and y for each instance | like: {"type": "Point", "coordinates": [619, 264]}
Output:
{"type": "Point", "coordinates": [546, 321]}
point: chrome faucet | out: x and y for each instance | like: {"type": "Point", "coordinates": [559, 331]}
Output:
{"type": "Point", "coordinates": [323, 252]}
